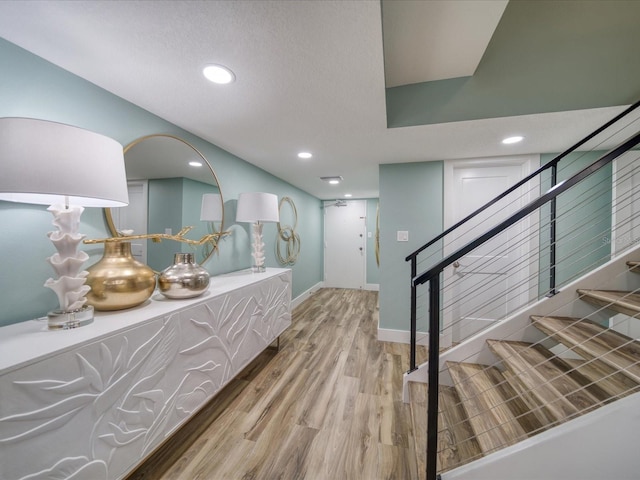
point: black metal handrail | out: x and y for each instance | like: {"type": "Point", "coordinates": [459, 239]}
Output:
{"type": "Point", "coordinates": [432, 276]}
{"type": "Point", "coordinates": [553, 165]}
{"type": "Point", "coordinates": [543, 168]}
{"type": "Point", "coordinates": [531, 207]}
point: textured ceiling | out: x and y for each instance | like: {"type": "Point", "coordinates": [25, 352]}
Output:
{"type": "Point", "coordinates": [311, 76]}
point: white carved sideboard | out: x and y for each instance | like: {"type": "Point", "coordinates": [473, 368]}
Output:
{"type": "Point", "coordinates": [93, 402]}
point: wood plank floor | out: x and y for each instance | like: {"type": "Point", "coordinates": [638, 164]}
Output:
{"type": "Point", "coordinates": [327, 405]}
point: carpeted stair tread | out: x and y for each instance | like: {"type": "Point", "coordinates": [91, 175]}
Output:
{"type": "Point", "coordinates": [555, 392]}
{"type": "Point", "coordinates": [592, 341]}
{"type": "Point", "coordinates": [616, 300]}
{"type": "Point", "coordinates": [495, 425]}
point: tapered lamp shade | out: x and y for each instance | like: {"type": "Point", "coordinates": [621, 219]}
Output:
{"type": "Point", "coordinates": [257, 207]}
{"type": "Point", "coordinates": [47, 162]}
{"type": "Point", "coordinates": [211, 210]}
{"type": "Point", "coordinates": [67, 168]}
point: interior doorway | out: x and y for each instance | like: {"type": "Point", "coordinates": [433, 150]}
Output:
{"type": "Point", "coordinates": [470, 184]}
{"type": "Point", "coordinates": [134, 217]}
{"type": "Point", "coordinates": [345, 244]}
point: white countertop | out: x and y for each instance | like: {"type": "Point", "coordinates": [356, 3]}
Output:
{"type": "Point", "coordinates": [24, 342]}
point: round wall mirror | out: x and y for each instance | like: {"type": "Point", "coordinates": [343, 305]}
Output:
{"type": "Point", "coordinates": [167, 179]}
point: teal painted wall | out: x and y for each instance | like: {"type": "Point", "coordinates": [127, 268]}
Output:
{"type": "Point", "coordinates": [373, 269]}
{"type": "Point", "coordinates": [171, 202]}
{"type": "Point", "coordinates": [192, 195]}
{"type": "Point", "coordinates": [32, 87]}
{"type": "Point", "coordinates": [582, 53]}
{"type": "Point", "coordinates": [166, 197]}
{"type": "Point", "coordinates": [411, 198]}
{"type": "Point", "coordinates": [583, 235]}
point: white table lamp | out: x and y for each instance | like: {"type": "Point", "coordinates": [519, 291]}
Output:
{"type": "Point", "coordinates": [68, 168]}
{"type": "Point", "coordinates": [257, 208]}
{"type": "Point", "coordinates": [211, 210]}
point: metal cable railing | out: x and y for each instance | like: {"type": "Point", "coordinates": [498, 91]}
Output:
{"type": "Point", "coordinates": [443, 299]}
{"type": "Point", "coordinates": [634, 217]}
{"type": "Point", "coordinates": [578, 256]}
{"type": "Point", "coordinates": [581, 257]}
{"type": "Point", "coordinates": [584, 387]}
{"type": "Point", "coordinates": [542, 224]}
{"type": "Point", "coordinates": [633, 386]}
{"type": "Point", "coordinates": [575, 260]}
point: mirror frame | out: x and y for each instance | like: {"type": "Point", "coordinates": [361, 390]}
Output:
{"type": "Point", "coordinates": [107, 211]}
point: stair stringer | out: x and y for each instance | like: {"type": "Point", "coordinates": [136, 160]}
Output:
{"type": "Point", "coordinates": [613, 275]}
{"type": "Point", "coordinates": [599, 444]}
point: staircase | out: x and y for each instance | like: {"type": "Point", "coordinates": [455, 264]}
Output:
{"type": "Point", "coordinates": [575, 366]}
{"type": "Point", "coordinates": [528, 381]}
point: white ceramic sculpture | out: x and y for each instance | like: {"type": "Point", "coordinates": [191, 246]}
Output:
{"type": "Point", "coordinates": [70, 285]}
{"type": "Point", "coordinates": [258, 247]}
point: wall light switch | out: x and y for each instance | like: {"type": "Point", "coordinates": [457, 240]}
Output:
{"type": "Point", "coordinates": [403, 236]}
{"type": "Point", "coordinates": [167, 231]}
{"type": "Point", "coordinates": [368, 234]}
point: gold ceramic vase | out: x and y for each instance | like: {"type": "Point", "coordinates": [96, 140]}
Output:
{"type": "Point", "coordinates": [118, 280]}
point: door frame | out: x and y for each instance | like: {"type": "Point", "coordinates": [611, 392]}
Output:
{"type": "Point", "coordinates": [528, 164]}
{"type": "Point", "coordinates": [330, 204]}
{"type": "Point", "coordinates": [139, 247]}
{"type": "Point", "coordinates": [621, 242]}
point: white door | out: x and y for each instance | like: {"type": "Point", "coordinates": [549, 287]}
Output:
{"type": "Point", "coordinates": [625, 223]}
{"type": "Point", "coordinates": [344, 244]}
{"type": "Point", "coordinates": [134, 217]}
{"type": "Point", "coordinates": [493, 279]}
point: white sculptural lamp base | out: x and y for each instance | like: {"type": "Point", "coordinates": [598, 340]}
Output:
{"type": "Point", "coordinates": [70, 285]}
{"type": "Point", "coordinates": [257, 248]}
{"type": "Point", "coordinates": [59, 320]}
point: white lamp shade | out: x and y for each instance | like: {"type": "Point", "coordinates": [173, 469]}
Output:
{"type": "Point", "coordinates": [257, 207]}
{"type": "Point", "coordinates": [46, 163]}
{"type": "Point", "coordinates": [211, 210]}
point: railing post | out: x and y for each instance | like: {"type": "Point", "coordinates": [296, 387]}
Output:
{"type": "Point", "coordinates": [434, 369]}
{"type": "Point", "coordinates": [552, 234]}
{"type": "Point", "coordinates": [413, 327]}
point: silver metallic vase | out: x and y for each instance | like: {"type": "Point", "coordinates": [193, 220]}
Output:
{"type": "Point", "coordinates": [184, 279]}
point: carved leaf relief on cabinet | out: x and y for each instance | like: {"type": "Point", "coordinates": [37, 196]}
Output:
{"type": "Point", "coordinates": [97, 412]}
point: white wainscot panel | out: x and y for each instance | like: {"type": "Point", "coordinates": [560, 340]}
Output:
{"type": "Point", "coordinates": [96, 411]}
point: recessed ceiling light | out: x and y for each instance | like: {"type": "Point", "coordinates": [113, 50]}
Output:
{"type": "Point", "coordinates": [348, 195]}
{"type": "Point", "coordinates": [305, 155]}
{"type": "Point", "coordinates": [195, 164]}
{"type": "Point", "coordinates": [218, 74]}
{"type": "Point", "coordinates": [510, 140]}
{"type": "Point", "coordinates": [332, 180]}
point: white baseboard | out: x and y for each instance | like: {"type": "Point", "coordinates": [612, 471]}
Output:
{"type": "Point", "coordinates": [304, 295]}
{"type": "Point", "coordinates": [373, 287]}
{"type": "Point", "coordinates": [401, 336]}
